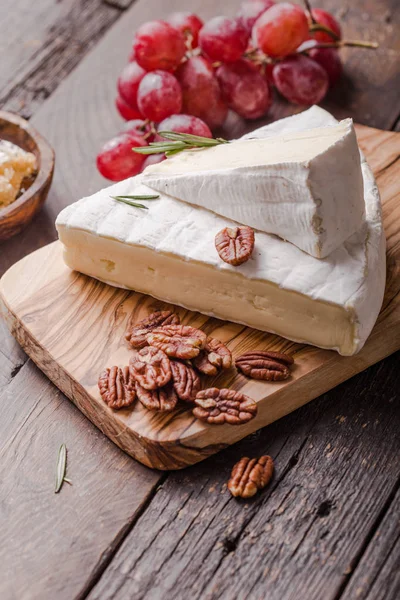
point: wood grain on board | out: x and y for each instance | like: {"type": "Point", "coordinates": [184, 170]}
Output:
{"type": "Point", "coordinates": [76, 120]}
{"type": "Point", "coordinates": [73, 327]}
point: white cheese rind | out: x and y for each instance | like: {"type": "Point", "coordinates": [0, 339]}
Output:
{"type": "Point", "coordinates": [305, 186]}
{"type": "Point", "coordinates": [168, 252]}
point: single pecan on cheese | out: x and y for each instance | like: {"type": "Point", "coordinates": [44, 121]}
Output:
{"type": "Point", "coordinates": [136, 334]}
{"type": "Point", "coordinates": [150, 367]}
{"type": "Point", "coordinates": [224, 406]}
{"type": "Point", "coordinates": [178, 341]}
{"type": "Point", "coordinates": [268, 366]}
{"type": "Point", "coordinates": [215, 357]}
{"type": "Point", "coordinates": [250, 475]}
{"type": "Point", "coordinates": [117, 387]}
{"type": "Point", "coordinates": [162, 399]}
{"type": "Point", "coordinates": [185, 380]}
{"type": "Point", "coordinates": [235, 245]}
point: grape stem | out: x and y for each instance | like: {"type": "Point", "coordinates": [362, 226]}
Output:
{"type": "Point", "coordinates": [342, 44]}
{"type": "Point", "coordinates": [320, 27]}
{"type": "Point", "coordinates": [308, 9]}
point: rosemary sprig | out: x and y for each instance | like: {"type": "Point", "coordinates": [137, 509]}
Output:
{"type": "Point", "coordinates": [61, 468]}
{"type": "Point", "coordinates": [127, 199]}
{"type": "Point", "coordinates": [176, 142]}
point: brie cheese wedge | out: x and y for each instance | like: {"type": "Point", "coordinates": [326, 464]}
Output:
{"type": "Point", "coordinates": [168, 252]}
{"type": "Point", "coordinates": [305, 186]}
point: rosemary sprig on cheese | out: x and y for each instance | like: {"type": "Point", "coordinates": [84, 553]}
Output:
{"type": "Point", "coordinates": [176, 142]}
{"type": "Point", "coordinates": [127, 199]}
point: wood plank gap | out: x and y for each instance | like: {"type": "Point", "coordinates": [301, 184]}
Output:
{"type": "Point", "coordinates": [79, 29]}
{"type": "Point", "coordinates": [109, 553]}
{"type": "Point", "coordinates": [232, 543]}
{"type": "Point", "coordinates": [358, 557]}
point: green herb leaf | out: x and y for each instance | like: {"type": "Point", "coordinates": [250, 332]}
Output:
{"type": "Point", "coordinates": [176, 142]}
{"type": "Point", "coordinates": [138, 197]}
{"type": "Point", "coordinates": [61, 467]}
{"type": "Point", "coordinates": [126, 200]}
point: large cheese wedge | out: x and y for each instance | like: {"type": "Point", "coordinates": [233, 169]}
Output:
{"type": "Point", "coordinates": [305, 186]}
{"type": "Point", "coordinates": [168, 252]}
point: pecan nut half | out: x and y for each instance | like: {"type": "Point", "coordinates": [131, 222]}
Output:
{"type": "Point", "coordinates": [117, 387]}
{"type": "Point", "coordinates": [215, 357]}
{"type": "Point", "coordinates": [250, 475]}
{"type": "Point", "coordinates": [136, 334]}
{"type": "Point", "coordinates": [224, 406]}
{"type": "Point", "coordinates": [186, 381]}
{"type": "Point", "coordinates": [162, 399]}
{"type": "Point", "coordinates": [150, 367]}
{"type": "Point", "coordinates": [235, 245]}
{"type": "Point", "coordinates": [178, 341]}
{"type": "Point", "coordinates": [268, 366]}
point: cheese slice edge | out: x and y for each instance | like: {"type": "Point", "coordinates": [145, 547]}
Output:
{"type": "Point", "coordinates": [305, 186]}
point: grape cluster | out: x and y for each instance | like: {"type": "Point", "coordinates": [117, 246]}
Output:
{"type": "Point", "coordinates": [184, 75]}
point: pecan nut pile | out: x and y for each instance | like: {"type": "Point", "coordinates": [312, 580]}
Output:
{"type": "Point", "coordinates": [162, 399]}
{"type": "Point", "coordinates": [136, 334]}
{"type": "Point", "coordinates": [178, 341]}
{"type": "Point", "coordinates": [185, 380]}
{"type": "Point", "coordinates": [117, 387]}
{"type": "Point", "coordinates": [215, 357]}
{"type": "Point", "coordinates": [235, 245]}
{"type": "Point", "coordinates": [224, 406]}
{"type": "Point", "coordinates": [268, 366]}
{"type": "Point", "coordinates": [150, 367]}
{"type": "Point", "coordinates": [250, 475]}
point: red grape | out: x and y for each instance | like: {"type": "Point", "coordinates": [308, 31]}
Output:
{"type": "Point", "coordinates": [250, 10]}
{"type": "Point", "coordinates": [301, 80]}
{"type": "Point", "coordinates": [245, 90]}
{"type": "Point", "coordinates": [184, 124]}
{"type": "Point", "coordinates": [159, 95]}
{"type": "Point", "coordinates": [223, 39]}
{"type": "Point", "coordinates": [325, 18]}
{"type": "Point", "coordinates": [158, 45]}
{"type": "Point", "coordinates": [126, 111]}
{"type": "Point", "coordinates": [153, 159]}
{"type": "Point", "coordinates": [188, 23]}
{"type": "Point", "coordinates": [128, 83]}
{"type": "Point", "coordinates": [329, 59]}
{"type": "Point", "coordinates": [116, 160]}
{"type": "Point", "coordinates": [280, 30]}
{"type": "Point", "coordinates": [138, 127]}
{"type": "Point", "coordinates": [268, 68]}
{"type": "Point", "coordinates": [201, 93]}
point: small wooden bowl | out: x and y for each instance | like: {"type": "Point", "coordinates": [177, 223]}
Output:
{"type": "Point", "coordinates": [18, 214]}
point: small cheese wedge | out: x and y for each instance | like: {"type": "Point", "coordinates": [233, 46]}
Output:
{"type": "Point", "coordinates": [168, 252]}
{"type": "Point", "coordinates": [305, 186]}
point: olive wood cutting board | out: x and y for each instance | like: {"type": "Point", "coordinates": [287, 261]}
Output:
{"type": "Point", "coordinates": [73, 327]}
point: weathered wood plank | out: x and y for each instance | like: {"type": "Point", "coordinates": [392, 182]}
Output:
{"type": "Point", "coordinates": [336, 465]}
{"type": "Point", "coordinates": [43, 41]}
{"type": "Point", "coordinates": [377, 576]}
{"type": "Point", "coordinates": [52, 543]}
{"type": "Point", "coordinates": [76, 120]}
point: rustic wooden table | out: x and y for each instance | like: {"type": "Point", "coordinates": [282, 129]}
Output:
{"type": "Point", "coordinates": [329, 525]}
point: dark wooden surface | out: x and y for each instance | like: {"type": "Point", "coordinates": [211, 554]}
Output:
{"type": "Point", "coordinates": [328, 526]}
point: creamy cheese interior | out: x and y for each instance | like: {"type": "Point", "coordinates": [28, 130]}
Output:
{"type": "Point", "coordinates": [196, 286]}
{"type": "Point", "coordinates": [291, 147]}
